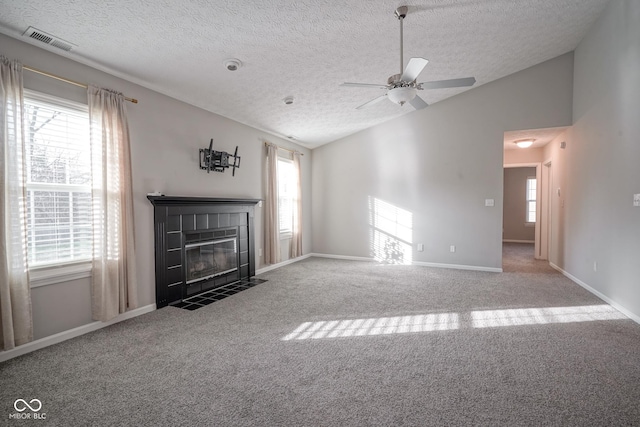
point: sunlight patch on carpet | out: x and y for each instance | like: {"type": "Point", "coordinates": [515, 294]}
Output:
{"type": "Point", "coordinates": [451, 321]}
{"type": "Point", "coordinates": [374, 326]}
{"type": "Point", "coordinates": [540, 316]}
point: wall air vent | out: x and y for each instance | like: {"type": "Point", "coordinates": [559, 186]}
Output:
{"type": "Point", "coordinates": [49, 39]}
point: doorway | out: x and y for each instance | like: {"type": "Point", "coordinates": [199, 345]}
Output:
{"type": "Point", "coordinates": [521, 206]}
{"type": "Point", "coordinates": [535, 155]}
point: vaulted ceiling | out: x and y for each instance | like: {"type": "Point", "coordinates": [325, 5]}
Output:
{"type": "Point", "coordinates": [304, 49]}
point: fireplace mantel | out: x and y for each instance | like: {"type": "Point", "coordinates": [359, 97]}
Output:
{"type": "Point", "coordinates": [191, 201]}
{"type": "Point", "coordinates": [179, 220]}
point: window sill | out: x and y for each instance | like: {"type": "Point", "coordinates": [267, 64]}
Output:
{"type": "Point", "coordinates": [529, 224]}
{"type": "Point", "coordinates": [43, 276]}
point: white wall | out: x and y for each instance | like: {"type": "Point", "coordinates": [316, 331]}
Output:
{"type": "Point", "coordinates": [600, 164]}
{"type": "Point", "coordinates": [523, 155]}
{"type": "Point", "coordinates": [440, 164]}
{"type": "Point", "coordinates": [166, 135]}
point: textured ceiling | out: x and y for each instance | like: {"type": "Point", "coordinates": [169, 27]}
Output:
{"type": "Point", "coordinates": [304, 49]}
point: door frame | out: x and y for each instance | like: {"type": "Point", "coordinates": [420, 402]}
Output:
{"type": "Point", "coordinates": [538, 254]}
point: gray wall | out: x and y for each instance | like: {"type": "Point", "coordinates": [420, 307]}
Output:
{"type": "Point", "coordinates": [166, 135]}
{"type": "Point", "coordinates": [599, 167]}
{"type": "Point", "coordinates": [514, 202]}
{"type": "Point", "coordinates": [440, 164]}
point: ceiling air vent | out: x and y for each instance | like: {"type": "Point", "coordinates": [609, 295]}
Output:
{"type": "Point", "coordinates": [49, 39]}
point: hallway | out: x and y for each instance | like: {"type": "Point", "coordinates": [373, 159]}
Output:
{"type": "Point", "coordinates": [519, 258]}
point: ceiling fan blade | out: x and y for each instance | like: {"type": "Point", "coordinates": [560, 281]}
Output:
{"type": "Point", "coordinates": [418, 103]}
{"type": "Point", "coordinates": [373, 101]}
{"type": "Point", "coordinates": [346, 84]}
{"type": "Point", "coordinates": [441, 84]}
{"type": "Point", "coordinates": [413, 69]}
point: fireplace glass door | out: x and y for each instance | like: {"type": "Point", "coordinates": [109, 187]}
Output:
{"type": "Point", "coordinates": [209, 259]}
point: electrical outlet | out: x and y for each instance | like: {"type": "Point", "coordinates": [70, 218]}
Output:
{"type": "Point", "coordinates": [636, 200]}
{"type": "Point", "coordinates": [420, 247]}
{"type": "Point", "coordinates": [595, 266]}
{"type": "Point", "coordinates": [260, 252]}
{"type": "Point", "coordinates": [452, 248]}
{"type": "Point", "coordinates": [489, 202]}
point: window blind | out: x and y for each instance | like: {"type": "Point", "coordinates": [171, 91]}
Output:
{"type": "Point", "coordinates": [58, 180]}
{"type": "Point", "coordinates": [286, 188]}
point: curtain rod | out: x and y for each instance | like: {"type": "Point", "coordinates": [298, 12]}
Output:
{"type": "Point", "coordinates": [285, 149]}
{"type": "Point", "coordinates": [71, 82]}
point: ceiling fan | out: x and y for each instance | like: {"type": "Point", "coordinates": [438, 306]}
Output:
{"type": "Point", "coordinates": [402, 88]}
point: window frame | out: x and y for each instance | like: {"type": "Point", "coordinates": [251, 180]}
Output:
{"type": "Point", "coordinates": [529, 200]}
{"type": "Point", "coordinates": [57, 271]}
{"type": "Point", "coordinates": [286, 233]}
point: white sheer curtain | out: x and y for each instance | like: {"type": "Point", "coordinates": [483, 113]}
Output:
{"type": "Point", "coordinates": [113, 284]}
{"type": "Point", "coordinates": [16, 323]}
{"type": "Point", "coordinates": [271, 226]}
{"type": "Point", "coordinates": [296, 238]}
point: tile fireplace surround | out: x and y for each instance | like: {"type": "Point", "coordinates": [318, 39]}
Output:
{"type": "Point", "coordinates": [201, 244]}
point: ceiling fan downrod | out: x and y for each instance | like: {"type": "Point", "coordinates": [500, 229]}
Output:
{"type": "Point", "coordinates": [401, 13]}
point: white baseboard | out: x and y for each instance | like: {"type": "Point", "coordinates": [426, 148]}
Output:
{"type": "Point", "coordinates": [345, 257]}
{"type": "Point", "coordinates": [281, 264]}
{"type": "Point", "coordinates": [458, 266]}
{"type": "Point", "coordinates": [518, 241]}
{"type": "Point", "coordinates": [603, 297]}
{"type": "Point", "coordinates": [424, 264]}
{"type": "Point", "coordinates": [71, 333]}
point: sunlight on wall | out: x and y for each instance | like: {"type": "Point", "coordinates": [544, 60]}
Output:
{"type": "Point", "coordinates": [451, 321]}
{"type": "Point", "coordinates": [390, 233]}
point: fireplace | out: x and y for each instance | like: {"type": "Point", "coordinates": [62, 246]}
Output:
{"type": "Point", "coordinates": [201, 244]}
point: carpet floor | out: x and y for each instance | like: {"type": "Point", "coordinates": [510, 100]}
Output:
{"type": "Point", "coordinates": [329, 342]}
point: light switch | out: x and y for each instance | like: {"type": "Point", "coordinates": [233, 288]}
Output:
{"type": "Point", "coordinates": [489, 202]}
{"type": "Point", "coordinates": [636, 200]}
{"type": "Point", "coordinates": [420, 247]}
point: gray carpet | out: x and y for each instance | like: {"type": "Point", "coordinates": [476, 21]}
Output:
{"type": "Point", "coordinates": [341, 343]}
{"type": "Point", "coordinates": [519, 258]}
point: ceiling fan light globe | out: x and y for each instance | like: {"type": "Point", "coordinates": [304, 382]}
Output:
{"type": "Point", "coordinates": [401, 95]}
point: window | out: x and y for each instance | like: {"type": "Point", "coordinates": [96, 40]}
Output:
{"type": "Point", "coordinates": [286, 195]}
{"type": "Point", "coordinates": [531, 200]}
{"type": "Point", "coordinates": [58, 161]}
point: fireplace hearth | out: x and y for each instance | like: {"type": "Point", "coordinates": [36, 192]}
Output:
{"type": "Point", "coordinates": [201, 244]}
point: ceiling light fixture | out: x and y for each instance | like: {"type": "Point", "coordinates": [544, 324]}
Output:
{"type": "Point", "coordinates": [402, 94]}
{"type": "Point", "coordinates": [524, 143]}
{"type": "Point", "coordinates": [232, 64]}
